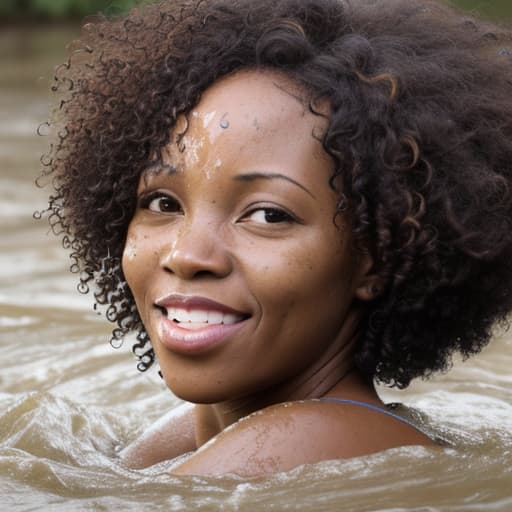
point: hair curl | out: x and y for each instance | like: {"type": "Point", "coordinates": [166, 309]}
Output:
{"type": "Point", "coordinates": [420, 131]}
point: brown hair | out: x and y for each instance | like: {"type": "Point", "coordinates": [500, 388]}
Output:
{"type": "Point", "coordinates": [420, 131]}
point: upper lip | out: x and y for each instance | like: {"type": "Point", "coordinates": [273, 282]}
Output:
{"type": "Point", "coordinates": [189, 302]}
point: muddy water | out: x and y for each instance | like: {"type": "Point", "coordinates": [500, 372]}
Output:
{"type": "Point", "coordinates": [68, 400]}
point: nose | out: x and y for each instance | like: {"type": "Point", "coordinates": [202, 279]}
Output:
{"type": "Point", "coordinates": [196, 249]}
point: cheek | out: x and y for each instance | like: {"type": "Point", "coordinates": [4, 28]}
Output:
{"type": "Point", "coordinates": [134, 265]}
{"type": "Point", "coordinates": [302, 276]}
{"type": "Point", "coordinates": [130, 250]}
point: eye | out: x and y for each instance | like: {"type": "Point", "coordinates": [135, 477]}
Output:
{"type": "Point", "coordinates": [268, 215]}
{"type": "Point", "coordinates": [160, 202]}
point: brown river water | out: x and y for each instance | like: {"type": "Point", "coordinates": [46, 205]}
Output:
{"type": "Point", "coordinates": [68, 400]}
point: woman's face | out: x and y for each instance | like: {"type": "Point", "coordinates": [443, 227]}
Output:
{"type": "Point", "coordinates": [240, 276]}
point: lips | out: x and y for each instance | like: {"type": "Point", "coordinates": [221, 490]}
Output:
{"type": "Point", "coordinates": [195, 324]}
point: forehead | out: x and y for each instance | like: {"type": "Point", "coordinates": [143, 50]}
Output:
{"type": "Point", "coordinates": [269, 93]}
{"type": "Point", "coordinates": [251, 107]}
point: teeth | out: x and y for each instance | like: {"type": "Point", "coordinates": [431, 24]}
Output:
{"type": "Point", "coordinates": [215, 317]}
{"type": "Point", "coordinates": [199, 317]}
{"type": "Point", "coordinates": [230, 319]}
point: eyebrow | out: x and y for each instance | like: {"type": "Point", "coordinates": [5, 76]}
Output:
{"type": "Point", "coordinates": [156, 169]}
{"type": "Point", "coordinates": [253, 176]}
{"type": "Point", "coordinates": [159, 167]}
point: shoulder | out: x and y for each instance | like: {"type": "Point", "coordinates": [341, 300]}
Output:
{"type": "Point", "coordinates": [170, 436]}
{"type": "Point", "coordinates": [264, 442]}
{"type": "Point", "coordinates": [288, 435]}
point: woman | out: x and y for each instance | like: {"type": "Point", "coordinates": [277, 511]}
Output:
{"type": "Point", "coordinates": [287, 201]}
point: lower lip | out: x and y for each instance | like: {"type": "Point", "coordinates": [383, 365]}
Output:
{"type": "Point", "coordinates": [196, 341]}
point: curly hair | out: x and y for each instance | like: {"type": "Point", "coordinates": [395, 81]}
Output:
{"type": "Point", "coordinates": [420, 131]}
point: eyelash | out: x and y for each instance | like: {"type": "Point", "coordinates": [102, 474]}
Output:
{"type": "Point", "coordinates": [282, 215]}
{"type": "Point", "coordinates": [146, 200]}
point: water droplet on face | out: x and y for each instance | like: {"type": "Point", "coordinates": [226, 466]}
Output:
{"type": "Point", "coordinates": [224, 123]}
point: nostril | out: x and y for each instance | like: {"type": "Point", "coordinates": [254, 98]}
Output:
{"type": "Point", "coordinates": [204, 273]}
{"type": "Point", "coordinates": [191, 273]}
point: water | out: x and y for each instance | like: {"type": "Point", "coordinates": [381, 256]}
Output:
{"type": "Point", "coordinates": [68, 400]}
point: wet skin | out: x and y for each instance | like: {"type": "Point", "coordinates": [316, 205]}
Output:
{"type": "Point", "coordinates": [238, 225]}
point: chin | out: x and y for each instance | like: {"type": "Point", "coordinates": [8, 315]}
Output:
{"type": "Point", "coordinates": [197, 393]}
{"type": "Point", "coordinates": [207, 392]}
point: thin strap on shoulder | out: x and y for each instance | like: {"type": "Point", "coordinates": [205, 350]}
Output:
{"type": "Point", "coordinates": [372, 407]}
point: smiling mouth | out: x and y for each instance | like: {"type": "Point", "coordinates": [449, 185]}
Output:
{"type": "Point", "coordinates": [193, 324]}
{"type": "Point", "coordinates": [198, 313]}
{"type": "Point", "coordinates": [199, 319]}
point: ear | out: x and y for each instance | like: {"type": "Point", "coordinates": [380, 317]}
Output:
{"type": "Point", "coordinates": [369, 284]}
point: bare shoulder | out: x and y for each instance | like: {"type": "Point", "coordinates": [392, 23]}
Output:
{"type": "Point", "coordinates": [170, 436]}
{"type": "Point", "coordinates": [288, 435]}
